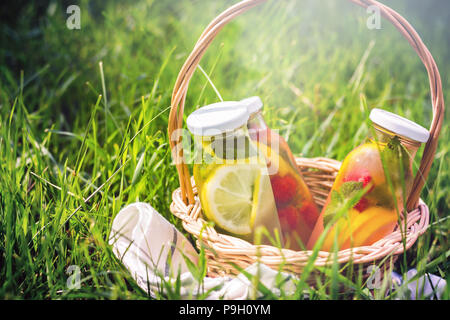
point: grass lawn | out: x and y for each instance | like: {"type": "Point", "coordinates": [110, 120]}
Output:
{"type": "Point", "coordinates": [84, 114]}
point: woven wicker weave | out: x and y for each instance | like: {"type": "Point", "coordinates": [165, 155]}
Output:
{"type": "Point", "coordinates": [319, 173]}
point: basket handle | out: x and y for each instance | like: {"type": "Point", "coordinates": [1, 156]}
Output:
{"type": "Point", "coordinates": [182, 83]}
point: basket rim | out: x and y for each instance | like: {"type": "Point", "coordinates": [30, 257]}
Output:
{"type": "Point", "coordinates": [417, 221]}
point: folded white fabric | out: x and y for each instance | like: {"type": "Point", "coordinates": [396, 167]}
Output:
{"type": "Point", "coordinates": [153, 250]}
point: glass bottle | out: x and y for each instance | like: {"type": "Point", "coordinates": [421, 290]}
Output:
{"type": "Point", "coordinates": [230, 175]}
{"type": "Point", "coordinates": [297, 210]}
{"type": "Point", "coordinates": [374, 180]}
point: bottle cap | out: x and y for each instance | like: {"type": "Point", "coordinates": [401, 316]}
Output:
{"type": "Point", "coordinates": [217, 118]}
{"type": "Point", "coordinates": [399, 125]}
{"type": "Point", "coordinates": [254, 104]}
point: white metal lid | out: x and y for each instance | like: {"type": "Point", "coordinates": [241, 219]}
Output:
{"type": "Point", "coordinates": [217, 118]}
{"type": "Point", "coordinates": [399, 125]}
{"type": "Point", "coordinates": [254, 104]}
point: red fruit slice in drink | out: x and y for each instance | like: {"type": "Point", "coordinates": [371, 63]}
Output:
{"type": "Point", "coordinates": [360, 175]}
{"type": "Point", "coordinates": [284, 188]}
{"type": "Point", "coordinates": [309, 212]}
{"type": "Point", "coordinates": [288, 216]}
{"type": "Point", "coordinates": [362, 205]}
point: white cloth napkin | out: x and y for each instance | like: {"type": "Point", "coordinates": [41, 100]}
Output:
{"type": "Point", "coordinates": [153, 250]}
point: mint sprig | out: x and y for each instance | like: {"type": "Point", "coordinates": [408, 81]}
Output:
{"type": "Point", "coordinates": [343, 198]}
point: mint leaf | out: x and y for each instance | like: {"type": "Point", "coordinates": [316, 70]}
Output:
{"type": "Point", "coordinates": [396, 163]}
{"type": "Point", "coordinates": [350, 188]}
{"type": "Point", "coordinates": [328, 216]}
{"type": "Point", "coordinates": [338, 199]}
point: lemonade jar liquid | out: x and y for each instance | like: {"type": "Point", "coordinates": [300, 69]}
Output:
{"type": "Point", "coordinates": [230, 175]}
{"type": "Point", "coordinates": [297, 210]}
{"type": "Point", "coordinates": [375, 178]}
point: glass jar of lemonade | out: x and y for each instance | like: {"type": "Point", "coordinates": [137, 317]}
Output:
{"type": "Point", "coordinates": [371, 188]}
{"type": "Point", "coordinates": [297, 210]}
{"type": "Point", "coordinates": [230, 174]}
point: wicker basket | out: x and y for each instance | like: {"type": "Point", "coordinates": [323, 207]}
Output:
{"type": "Point", "coordinates": [224, 251]}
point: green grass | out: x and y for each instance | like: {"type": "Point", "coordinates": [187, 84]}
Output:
{"type": "Point", "coordinates": [83, 121]}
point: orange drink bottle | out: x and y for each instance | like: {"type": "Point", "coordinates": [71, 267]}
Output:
{"type": "Point", "coordinates": [297, 210]}
{"type": "Point", "coordinates": [371, 188]}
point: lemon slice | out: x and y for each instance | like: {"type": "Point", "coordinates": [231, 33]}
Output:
{"type": "Point", "coordinates": [229, 197]}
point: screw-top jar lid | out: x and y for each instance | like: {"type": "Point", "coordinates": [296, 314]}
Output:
{"type": "Point", "coordinates": [399, 125]}
{"type": "Point", "coordinates": [217, 118]}
{"type": "Point", "coordinates": [254, 104]}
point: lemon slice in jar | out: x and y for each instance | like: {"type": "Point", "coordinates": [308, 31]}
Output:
{"type": "Point", "coordinates": [231, 197]}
